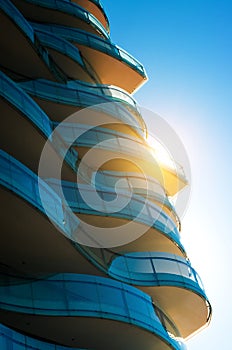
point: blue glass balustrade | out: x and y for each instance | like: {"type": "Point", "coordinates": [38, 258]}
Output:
{"type": "Point", "coordinates": [107, 90]}
{"type": "Point", "coordinates": [93, 41]}
{"type": "Point", "coordinates": [84, 296]}
{"type": "Point", "coordinates": [73, 10]}
{"type": "Point", "coordinates": [137, 209]}
{"type": "Point", "coordinates": [145, 186]}
{"type": "Point", "coordinates": [107, 139]}
{"type": "Point", "coordinates": [69, 92]}
{"type": "Point", "coordinates": [136, 182]}
{"type": "Point", "coordinates": [25, 104]}
{"type": "Point", "coordinates": [156, 269]}
{"type": "Point", "coordinates": [77, 93]}
{"type": "Point", "coordinates": [61, 45]}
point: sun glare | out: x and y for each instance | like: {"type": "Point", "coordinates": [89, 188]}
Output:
{"type": "Point", "coordinates": [160, 153]}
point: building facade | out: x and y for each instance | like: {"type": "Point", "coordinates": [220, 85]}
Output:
{"type": "Point", "coordinates": [91, 256]}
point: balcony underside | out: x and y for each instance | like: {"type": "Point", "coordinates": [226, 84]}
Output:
{"type": "Point", "coordinates": [36, 237]}
{"type": "Point", "coordinates": [112, 70]}
{"type": "Point", "coordinates": [189, 310]}
{"type": "Point", "coordinates": [19, 57]}
{"type": "Point", "coordinates": [86, 332]}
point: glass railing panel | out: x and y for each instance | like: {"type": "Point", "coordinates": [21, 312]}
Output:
{"type": "Point", "coordinates": [104, 46]}
{"type": "Point", "coordinates": [90, 98]}
{"type": "Point", "coordinates": [135, 182]}
{"type": "Point", "coordinates": [114, 139]}
{"type": "Point", "coordinates": [121, 95]}
{"type": "Point", "coordinates": [84, 95]}
{"type": "Point", "coordinates": [97, 24]}
{"type": "Point", "coordinates": [108, 90]}
{"type": "Point", "coordinates": [131, 60]}
{"type": "Point", "coordinates": [23, 182]}
{"type": "Point", "coordinates": [144, 314]}
{"type": "Point", "coordinates": [116, 110]}
{"type": "Point", "coordinates": [55, 42]}
{"type": "Point", "coordinates": [137, 208]}
{"type": "Point", "coordinates": [152, 267]}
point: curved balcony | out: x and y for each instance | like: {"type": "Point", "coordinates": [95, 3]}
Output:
{"type": "Point", "coordinates": [96, 9]}
{"type": "Point", "coordinates": [36, 236]}
{"type": "Point", "coordinates": [112, 64]}
{"type": "Point", "coordinates": [61, 12]}
{"type": "Point", "coordinates": [113, 92]}
{"type": "Point", "coordinates": [28, 59]}
{"type": "Point", "coordinates": [159, 230]}
{"type": "Point", "coordinates": [60, 101]}
{"type": "Point", "coordinates": [173, 284]}
{"type": "Point", "coordinates": [147, 187]}
{"type": "Point", "coordinates": [66, 56]}
{"type": "Point", "coordinates": [22, 116]}
{"type": "Point", "coordinates": [88, 306]}
{"type": "Point", "coordinates": [120, 152]}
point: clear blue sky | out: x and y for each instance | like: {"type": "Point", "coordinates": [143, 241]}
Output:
{"type": "Point", "coordinates": [185, 46]}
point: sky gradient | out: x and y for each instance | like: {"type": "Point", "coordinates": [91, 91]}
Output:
{"type": "Point", "coordinates": [185, 47]}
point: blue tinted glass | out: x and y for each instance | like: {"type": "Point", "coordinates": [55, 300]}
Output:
{"type": "Point", "coordinates": [111, 299]}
